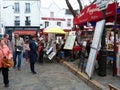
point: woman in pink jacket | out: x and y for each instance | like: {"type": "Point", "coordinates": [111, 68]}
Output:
{"type": "Point", "coordinates": [4, 52]}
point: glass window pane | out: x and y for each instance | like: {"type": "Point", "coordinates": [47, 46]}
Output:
{"type": "Point", "coordinates": [27, 7]}
{"type": "Point", "coordinates": [16, 8]}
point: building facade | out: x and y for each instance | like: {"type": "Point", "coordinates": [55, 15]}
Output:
{"type": "Point", "coordinates": [54, 15]}
{"type": "Point", "coordinates": [20, 16]}
{"type": "Point", "coordinates": [29, 17]}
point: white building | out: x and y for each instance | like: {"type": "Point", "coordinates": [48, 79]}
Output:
{"type": "Point", "coordinates": [21, 16]}
{"type": "Point", "coordinates": [54, 15]}
{"type": "Point", "coordinates": [27, 16]}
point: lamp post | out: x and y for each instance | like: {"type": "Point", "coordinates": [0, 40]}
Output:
{"type": "Point", "coordinates": [102, 5]}
{"type": "Point", "coordinates": [4, 18]}
{"type": "Point", "coordinates": [115, 31]}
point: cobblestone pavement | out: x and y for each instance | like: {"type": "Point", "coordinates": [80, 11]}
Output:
{"type": "Point", "coordinates": [50, 76]}
{"type": "Point", "coordinates": [108, 79]}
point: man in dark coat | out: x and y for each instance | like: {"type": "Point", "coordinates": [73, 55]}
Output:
{"type": "Point", "coordinates": [33, 53]}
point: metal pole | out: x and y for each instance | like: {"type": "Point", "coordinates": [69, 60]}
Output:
{"type": "Point", "coordinates": [114, 62]}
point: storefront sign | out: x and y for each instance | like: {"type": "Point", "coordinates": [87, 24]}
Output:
{"type": "Point", "coordinates": [92, 14]}
{"type": "Point", "coordinates": [102, 4]}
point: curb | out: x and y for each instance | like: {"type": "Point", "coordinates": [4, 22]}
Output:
{"type": "Point", "coordinates": [92, 83]}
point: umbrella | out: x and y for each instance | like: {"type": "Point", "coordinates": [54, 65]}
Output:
{"type": "Point", "coordinates": [54, 29]}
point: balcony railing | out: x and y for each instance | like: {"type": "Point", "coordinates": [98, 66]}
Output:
{"type": "Point", "coordinates": [16, 23]}
{"type": "Point", "coordinates": [27, 22]}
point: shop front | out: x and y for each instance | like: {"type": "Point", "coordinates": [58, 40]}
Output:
{"type": "Point", "coordinates": [22, 31]}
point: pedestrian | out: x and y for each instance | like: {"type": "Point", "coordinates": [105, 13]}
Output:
{"type": "Point", "coordinates": [33, 53]}
{"type": "Point", "coordinates": [17, 45]}
{"type": "Point", "coordinates": [27, 50]}
{"type": "Point", "coordinates": [7, 41]}
{"type": "Point", "coordinates": [40, 51]}
{"type": "Point", "coordinates": [4, 53]}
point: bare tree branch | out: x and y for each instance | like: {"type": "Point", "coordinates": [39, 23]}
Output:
{"type": "Point", "coordinates": [80, 5]}
{"type": "Point", "coordinates": [70, 8]}
{"type": "Point", "coordinates": [94, 1]}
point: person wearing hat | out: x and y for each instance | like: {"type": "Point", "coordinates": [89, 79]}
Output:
{"type": "Point", "coordinates": [33, 53]}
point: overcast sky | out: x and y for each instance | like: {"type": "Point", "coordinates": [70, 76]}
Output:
{"type": "Point", "coordinates": [62, 3]}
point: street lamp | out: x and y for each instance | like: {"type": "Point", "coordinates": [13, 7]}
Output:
{"type": "Point", "coordinates": [4, 18]}
{"type": "Point", "coordinates": [8, 6]}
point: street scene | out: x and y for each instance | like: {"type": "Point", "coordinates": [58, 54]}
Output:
{"type": "Point", "coordinates": [60, 45]}
{"type": "Point", "coordinates": [50, 76]}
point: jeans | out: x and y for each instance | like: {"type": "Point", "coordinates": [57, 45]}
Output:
{"type": "Point", "coordinates": [19, 54]}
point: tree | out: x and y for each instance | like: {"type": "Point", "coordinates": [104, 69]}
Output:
{"type": "Point", "coordinates": [74, 13]}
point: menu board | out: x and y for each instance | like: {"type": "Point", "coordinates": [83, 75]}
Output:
{"type": "Point", "coordinates": [70, 42]}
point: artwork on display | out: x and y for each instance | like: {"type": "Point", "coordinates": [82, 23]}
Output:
{"type": "Point", "coordinates": [70, 42]}
{"type": "Point", "coordinates": [118, 61]}
{"type": "Point", "coordinates": [49, 50]}
{"type": "Point", "coordinates": [51, 55]}
{"type": "Point", "coordinates": [95, 47]}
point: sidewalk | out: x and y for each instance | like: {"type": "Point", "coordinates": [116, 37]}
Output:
{"type": "Point", "coordinates": [102, 82]}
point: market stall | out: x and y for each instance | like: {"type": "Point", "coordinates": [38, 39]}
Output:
{"type": "Point", "coordinates": [92, 15]}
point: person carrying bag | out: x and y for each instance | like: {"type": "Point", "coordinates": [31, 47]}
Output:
{"type": "Point", "coordinates": [6, 63]}
{"type": "Point", "coordinates": [5, 54]}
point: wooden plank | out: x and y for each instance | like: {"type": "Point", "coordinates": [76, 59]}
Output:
{"type": "Point", "coordinates": [112, 87]}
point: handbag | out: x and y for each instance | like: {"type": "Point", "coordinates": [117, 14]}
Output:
{"type": "Point", "coordinates": [6, 63]}
{"type": "Point", "coordinates": [19, 48]}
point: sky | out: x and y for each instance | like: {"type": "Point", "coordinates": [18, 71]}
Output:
{"type": "Point", "coordinates": [62, 3]}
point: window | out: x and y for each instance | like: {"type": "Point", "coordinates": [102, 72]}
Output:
{"type": "Point", "coordinates": [17, 9]}
{"type": "Point", "coordinates": [17, 21]}
{"type": "Point", "coordinates": [68, 22]}
{"type": "Point", "coordinates": [52, 14]}
{"type": "Point", "coordinates": [58, 23]}
{"type": "Point", "coordinates": [27, 21]}
{"type": "Point", "coordinates": [27, 9]}
{"type": "Point", "coordinates": [46, 24]}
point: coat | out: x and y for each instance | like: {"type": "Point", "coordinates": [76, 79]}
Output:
{"type": "Point", "coordinates": [33, 51]}
{"type": "Point", "coordinates": [7, 53]}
